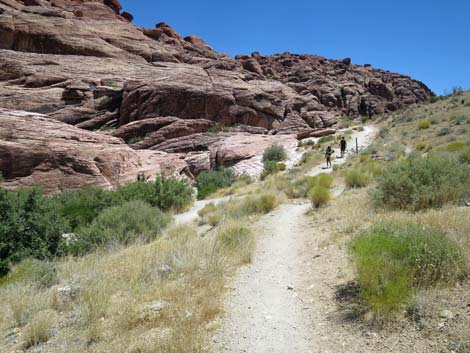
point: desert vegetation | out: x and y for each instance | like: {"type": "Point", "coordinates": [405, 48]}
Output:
{"type": "Point", "coordinates": [209, 182]}
{"type": "Point", "coordinates": [36, 225]}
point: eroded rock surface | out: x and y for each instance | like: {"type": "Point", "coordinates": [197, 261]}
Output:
{"type": "Point", "coordinates": [79, 65]}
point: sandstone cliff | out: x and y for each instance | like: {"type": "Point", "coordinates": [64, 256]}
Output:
{"type": "Point", "coordinates": [84, 63]}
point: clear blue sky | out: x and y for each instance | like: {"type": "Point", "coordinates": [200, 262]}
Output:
{"type": "Point", "coordinates": [426, 39]}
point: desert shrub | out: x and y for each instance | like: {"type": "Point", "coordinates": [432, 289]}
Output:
{"type": "Point", "coordinates": [364, 119]}
{"type": "Point", "coordinates": [393, 259]}
{"type": "Point", "coordinates": [170, 193]}
{"type": "Point", "coordinates": [424, 124]}
{"type": "Point", "coordinates": [281, 166]}
{"type": "Point", "coordinates": [124, 224]}
{"type": "Point", "coordinates": [434, 120]}
{"type": "Point", "coordinates": [41, 274]}
{"type": "Point", "coordinates": [444, 131]}
{"type": "Point", "coordinates": [30, 227]}
{"type": "Point", "coordinates": [434, 99]}
{"type": "Point", "coordinates": [324, 180]}
{"type": "Point", "coordinates": [214, 218]}
{"type": "Point", "coordinates": [81, 207]}
{"type": "Point", "coordinates": [357, 178]}
{"type": "Point", "coordinates": [459, 119]}
{"type": "Point", "coordinates": [453, 147]}
{"type": "Point", "coordinates": [421, 146]}
{"type": "Point", "coordinates": [261, 204]}
{"type": "Point", "coordinates": [394, 152]}
{"type": "Point", "coordinates": [209, 208]}
{"type": "Point", "coordinates": [270, 167]}
{"type": "Point", "coordinates": [209, 182]}
{"type": "Point", "coordinates": [210, 214]}
{"type": "Point", "coordinates": [319, 196]}
{"type": "Point", "coordinates": [422, 182]}
{"type": "Point", "coordinates": [325, 139]}
{"type": "Point", "coordinates": [276, 153]}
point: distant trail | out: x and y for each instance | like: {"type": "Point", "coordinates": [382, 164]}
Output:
{"type": "Point", "coordinates": [265, 312]}
{"type": "Point", "coordinates": [364, 137]}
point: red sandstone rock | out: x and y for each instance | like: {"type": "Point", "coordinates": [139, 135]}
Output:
{"type": "Point", "coordinates": [82, 63]}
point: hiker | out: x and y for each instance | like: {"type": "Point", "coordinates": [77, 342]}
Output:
{"type": "Point", "coordinates": [343, 146]}
{"type": "Point", "coordinates": [328, 154]}
{"type": "Point", "coordinates": [141, 176]}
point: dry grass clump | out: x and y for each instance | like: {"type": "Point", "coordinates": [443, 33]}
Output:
{"type": "Point", "coordinates": [237, 238]}
{"type": "Point", "coordinates": [247, 206]}
{"type": "Point", "coordinates": [319, 196]}
{"type": "Point", "coordinates": [135, 299]}
{"type": "Point", "coordinates": [39, 330]}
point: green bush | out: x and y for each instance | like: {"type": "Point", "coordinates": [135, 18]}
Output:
{"type": "Point", "coordinates": [424, 124]}
{"type": "Point", "coordinates": [32, 272]}
{"type": "Point", "coordinates": [170, 193]}
{"type": "Point", "coordinates": [30, 227]}
{"type": "Point", "coordinates": [209, 182]}
{"type": "Point", "coordinates": [276, 153]}
{"type": "Point", "coordinates": [319, 196]}
{"type": "Point", "coordinates": [444, 131]}
{"type": "Point", "coordinates": [455, 146]}
{"type": "Point", "coordinates": [124, 224]}
{"type": "Point", "coordinates": [393, 259]}
{"type": "Point", "coordinates": [324, 139]}
{"type": "Point", "coordinates": [422, 182]}
{"type": "Point", "coordinates": [81, 207]}
{"type": "Point", "coordinates": [270, 167]}
{"type": "Point", "coordinates": [356, 178]}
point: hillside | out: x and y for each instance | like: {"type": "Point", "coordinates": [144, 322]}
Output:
{"type": "Point", "coordinates": [275, 265]}
{"type": "Point", "coordinates": [82, 63]}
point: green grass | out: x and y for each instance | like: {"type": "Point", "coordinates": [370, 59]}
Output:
{"type": "Point", "coordinates": [393, 260]}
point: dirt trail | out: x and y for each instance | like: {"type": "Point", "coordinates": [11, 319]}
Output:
{"type": "Point", "coordinates": [269, 309]}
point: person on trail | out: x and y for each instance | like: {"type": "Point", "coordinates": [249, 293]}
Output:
{"type": "Point", "coordinates": [343, 145]}
{"type": "Point", "coordinates": [328, 154]}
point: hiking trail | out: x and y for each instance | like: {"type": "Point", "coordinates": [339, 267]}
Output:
{"type": "Point", "coordinates": [266, 309]}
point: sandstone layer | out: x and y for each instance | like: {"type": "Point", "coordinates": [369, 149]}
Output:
{"type": "Point", "coordinates": [149, 98]}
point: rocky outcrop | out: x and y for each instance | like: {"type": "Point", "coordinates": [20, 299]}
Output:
{"type": "Point", "coordinates": [38, 150]}
{"type": "Point", "coordinates": [338, 85]}
{"type": "Point", "coordinates": [80, 65]}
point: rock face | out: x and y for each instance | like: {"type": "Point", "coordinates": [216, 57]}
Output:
{"type": "Point", "coordinates": [38, 150]}
{"type": "Point", "coordinates": [78, 65]}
